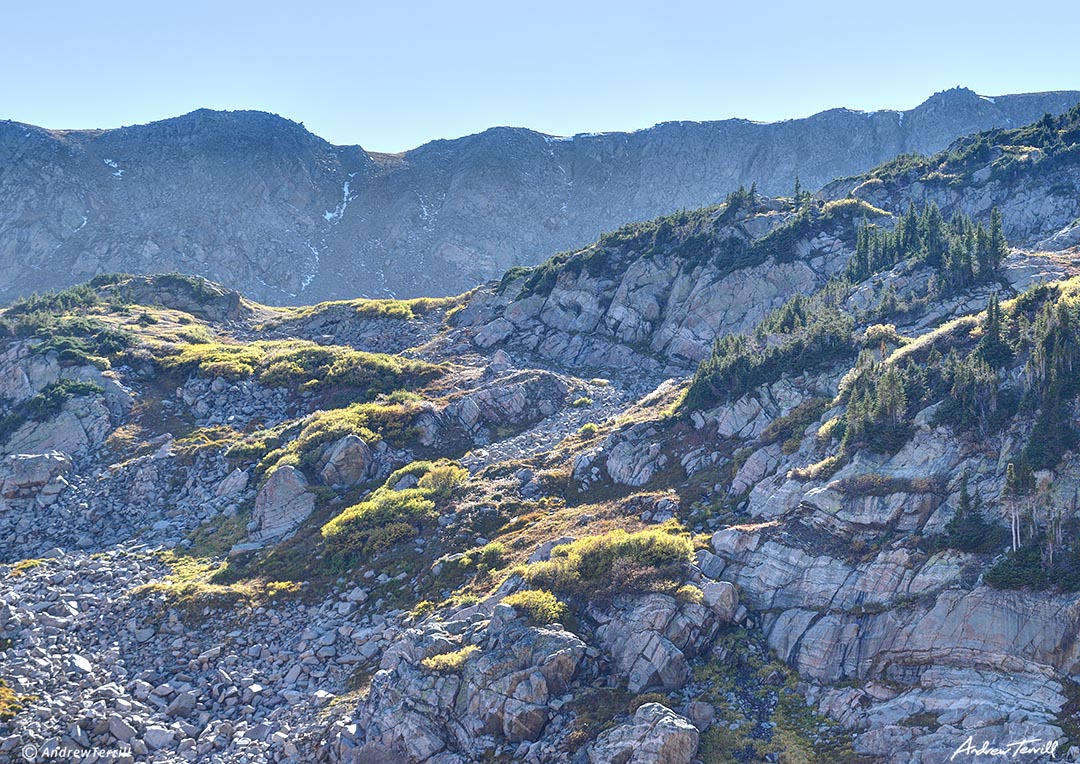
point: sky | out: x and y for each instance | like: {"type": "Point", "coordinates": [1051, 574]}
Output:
{"type": "Point", "coordinates": [391, 76]}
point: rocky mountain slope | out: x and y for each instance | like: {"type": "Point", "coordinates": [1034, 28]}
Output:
{"type": "Point", "coordinates": [776, 480]}
{"type": "Point", "coordinates": [261, 205]}
{"type": "Point", "coordinates": [1031, 173]}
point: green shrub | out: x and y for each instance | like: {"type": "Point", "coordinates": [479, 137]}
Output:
{"type": "Point", "coordinates": [370, 421]}
{"type": "Point", "coordinates": [388, 517]}
{"type": "Point", "coordinates": [1020, 569]}
{"type": "Point", "coordinates": [492, 555]}
{"type": "Point", "coordinates": [690, 593]}
{"type": "Point", "coordinates": [795, 338]}
{"type": "Point", "coordinates": [602, 566]}
{"type": "Point", "coordinates": [968, 531]}
{"type": "Point", "coordinates": [423, 609]}
{"type": "Point", "coordinates": [588, 429]}
{"type": "Point", "coordinates": [582, 402]}
{"type": "Point", "coordinates": [449, 663]}
{"type": "Point", "coordinates": [302, 365]}
{"type": "Point", "coordinates": [46, 404]}
{"type": "Point", "coordinates": [441, 480]}
{"type": "Point", "coordinates": [538, 605]}
{"type": "Point", "coordinates": [354, 526]}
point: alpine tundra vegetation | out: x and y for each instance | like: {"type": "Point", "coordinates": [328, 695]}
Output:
{"type": "Point", "coordinates": [783, 478]}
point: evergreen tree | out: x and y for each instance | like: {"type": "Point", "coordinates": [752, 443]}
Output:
{"type": "Point", "coordinates": [890, 405]}
{"type": "Point", "coordinates": [998, 248]}
{"type": "Point", "coordinates": [992, 345]}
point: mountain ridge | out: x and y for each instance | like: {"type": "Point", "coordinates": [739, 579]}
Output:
{"type": "Point", "coordinates": [259, 203]}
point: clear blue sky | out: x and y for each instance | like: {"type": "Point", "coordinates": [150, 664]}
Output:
{"type": "Point", "coordinates": [390, 76]}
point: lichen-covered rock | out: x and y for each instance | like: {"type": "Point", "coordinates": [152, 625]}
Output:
{"type": "Point", "coordinates": [513, 400]}
{"type": "Point", "coordinates": [233, 484]}
{"type": "Point", "coordinates": [656, 735]}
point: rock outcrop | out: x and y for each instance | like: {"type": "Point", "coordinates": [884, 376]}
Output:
{"type": "Point", "coordinates": [656, 735]}
{"type": "Point", "coordinates": [651, 640]}
{"type": "Point", "coordinates": [505, 689]}
{"type": "Point", "coordinates": [33, 479]}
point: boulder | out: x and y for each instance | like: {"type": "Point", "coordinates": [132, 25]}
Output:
{"type": "Point", "coordinates": [514, 400]}
{"type": "Point", "coordinates": [722, 599]}
{"type": "Point", "coordinates": [282, 504]}
{"type": "Point", "coordinates": [656, 735]}
{"type": "Point", "coordinates": [83, 423]}
{"type": "Point", "coordinates": [347, 461]}
{"type": "Point", "coordinates": [633, 463]}
{"type": "Point", "coordinates": [29, 477]}
{"type": "Point", "coordinates": [233, 483]}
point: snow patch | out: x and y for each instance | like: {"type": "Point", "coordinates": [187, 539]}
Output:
{"type": "Point", "coordinates": [82, 225]}
{"type": "Point", "coordinates": [119, 173]}
{"type": "Point", "coordinates": [346, 197]}
{"type": "Point", "coordinates": [310, 275]}
{"type": "Point", "coordinates": [988, 98]}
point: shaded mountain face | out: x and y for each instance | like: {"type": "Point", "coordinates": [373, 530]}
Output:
{"type": "Point", "coordinates": [258, 203]}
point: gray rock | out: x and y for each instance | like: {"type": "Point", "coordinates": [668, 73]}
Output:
{"type": "Point", "coordinates": [282, 504]}
{"type": "Point", "coordinates": [656, 735]}
{"type": "Point", "coordinates": [346, 462]}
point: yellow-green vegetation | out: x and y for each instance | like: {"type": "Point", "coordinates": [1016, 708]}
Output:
{"type": "Point", "coordinates": [539, 605]}
{"type": "Point", "coordinates": [582, 402]}
{"type": "Point", "coordinates": [218, 535]}
{"type": "Point", "coordinates": [588, 430]}
{"type": "Point", "coordinates": [404, 310]}
{"type": "Point", "coordinates": [23, 565]}
{"type": "Point", "coordinates": [389, 515]}
{"type": "Point", "coordinates": [442, 479]}
{"type": "Point", "coordinates": [20, 568]}
{"type": "Point", "coordinates": [832, 428]}
{"type": "Point", "coordinates": [485, 559]}
{"type": "Point", "coordinates": [190, 585]}
{"type": "Point", "coordinates": [449, 663]}
{"type": "Point", "coordinates": [370, 421]}
{"type": "Point", "coordinates": [690, 593]}
{"type": "Point", "coordinates": [213, 438]}
{"type": "Point", "coordinates": [818, 470]}
{"type": "Point", "coordinates": [10, 701]}
{"type": "Point", "coordinates": [422, 609]}
{"type": "Point", "coordinates": [600, 566]}
{"type": "Point", "coordinates": [300, 364]}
